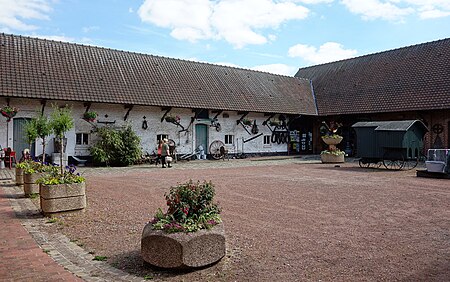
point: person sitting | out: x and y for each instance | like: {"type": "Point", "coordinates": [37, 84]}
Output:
{"type": "Point", "coordinates": [25, 155]}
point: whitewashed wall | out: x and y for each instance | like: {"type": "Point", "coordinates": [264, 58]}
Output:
{"type": "Point", "coordinates": [185, 141]}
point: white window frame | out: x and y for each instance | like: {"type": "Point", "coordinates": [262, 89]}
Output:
{"type": "Point", "coordinates": [83, 134]}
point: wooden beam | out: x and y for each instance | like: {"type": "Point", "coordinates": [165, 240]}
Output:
{"type": "Point", "coordinates": [129, 107]}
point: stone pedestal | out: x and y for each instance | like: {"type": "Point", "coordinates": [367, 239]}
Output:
{"type": "Point", "coordinates": [330, 158]}
{"type": "Point", "coordinates": [62, 197]}
{"type": "Point", "coordinates": [183, 250]}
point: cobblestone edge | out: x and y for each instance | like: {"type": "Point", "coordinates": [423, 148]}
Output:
{"type": "Point", "coordinates": [64, 252]}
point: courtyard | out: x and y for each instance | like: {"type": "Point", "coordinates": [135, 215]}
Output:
{"type": "Point", "coordinates": [286, 219]}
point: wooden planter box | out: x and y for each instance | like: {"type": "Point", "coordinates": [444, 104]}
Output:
{"type": "Point", "coordinates": [183, 250]}
{"type": "Point", "coordinates": [19, 176]}
{"type": "Point", "coordinates": [62, 197]}
{"type": "Point", "coordinates": [29, 183]}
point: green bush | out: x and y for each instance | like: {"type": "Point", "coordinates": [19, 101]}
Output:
{"type": "Point", "coordinates": [116, 147]}
{"type": "Point", "coordinates": [190, 208]}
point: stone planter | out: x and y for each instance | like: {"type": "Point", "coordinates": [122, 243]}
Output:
{"type": "Point", "coordinates": [62, 197]}
{"type": "Point", "coordinates": [332, 141]}
{"type": "Point", "coordinates": [183, 250]}
{"type": "Point", "coordinates": [19, 176]}
{"type": "Point", "coordinates": [29, 183]}
{"type": "Point", "coordinates": [330, 158]}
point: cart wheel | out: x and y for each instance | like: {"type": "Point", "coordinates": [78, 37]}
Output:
{"type": "Point", "coordinates": [214, 149]}
{"type": "Point", "coordinates": [410, 164]}
{"type": "Point", "coordinates": [376, 165]}
{"type": "Point", "coordinates": [363, 163]}
{"type": "Point", "coordinates": [393, 160]}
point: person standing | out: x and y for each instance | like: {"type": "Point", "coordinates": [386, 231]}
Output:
{"type": "Point", "coordinates": [158, 157]}
{"type": "Point", "coordinates": [165, 153]}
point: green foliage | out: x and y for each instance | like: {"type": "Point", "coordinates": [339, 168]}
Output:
{"type": "Point", "coordinates": [30, 166]}
{"type": "Point", "coordinates": [30, 131]}
{"type": "Point", "coordinates": [191, 208]}
{"type": "Point", "coordinates": [52, 220]}
{"type": "Point", "coordinates": [61, 121]}
{"type": "Point", "coordinates": [336, 152]}
{"type": "Point", "coordinates": [43, 128]}
{"type": "Point", "coordinates": [54, 176]}
{"type": "Point", "coordinates": [116, 147]}
{"type": "Point", "coordinates": [148, 277]}
{"type": "Point", "coordinates": [90, 115]}
{"type": "Point", "coordinates": [100, 258]}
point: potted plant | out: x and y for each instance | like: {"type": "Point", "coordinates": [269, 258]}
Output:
{"type": "Point", "coordinates": [90, 116]}
{"type": "Point", "coordinates": [246, 121]}
{"type": "Point", "coordinates": [9, 112]}
{"type": "Point", "coordinates": [172, 119]}
{"type": "Point", "coordinates": [274, 122]}
{"type": "Point", "coordinates": [190, 234]}
{"type": "Point", "coordinates": [331, 138]}
{"type": "Point", "coordinates": [61, 121]}
{"type": "Point", "coordinates": [32, 171]}
{"type": "Point", "coordinates": [43, 129]}
{"type": "Point", "coordinates": [62, 192]}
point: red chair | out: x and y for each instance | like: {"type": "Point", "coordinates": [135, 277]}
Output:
{"type": "Point", "coordinates": [10, 156]}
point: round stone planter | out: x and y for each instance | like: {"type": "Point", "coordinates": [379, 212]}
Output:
{"type": "Point", "coordinates": [330, 158]}
{"type": "Point", "coordinates": [62, 198]}
{"type": "Point", "coordinates": [29, 183]}
{"type": "Point", "coordinates": [332, 141]}
{"type": "Point", "coordinates": [183, 250]}
{"type": "Point", "coordinates": [19, 176]}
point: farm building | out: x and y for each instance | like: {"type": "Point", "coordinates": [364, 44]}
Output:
{"type": "Point", "coordinates": [251, 112]}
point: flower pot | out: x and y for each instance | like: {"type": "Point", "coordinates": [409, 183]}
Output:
{"type": "Point", "coordinates": [183, 250]}
{"type": "Point", "coordinates": [19, 176]}
{"type": "Point", "coordinates": [62, 197]}
{"type": "Point", "coordinates": [29, 183]}
{"type": "Point", "coordinates": [332, 141]}
{"type": "Point", "coordinates": [330, 158]}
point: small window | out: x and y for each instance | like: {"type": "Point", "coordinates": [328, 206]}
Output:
{"type": "Point", "coordinates": [267, 139]}
{"type": "Point", "coordinates": [162, 136]}
{"type": "Point", "coordinates": [82, 139]}
{"type": "Point", "coordinates": [229, 139]}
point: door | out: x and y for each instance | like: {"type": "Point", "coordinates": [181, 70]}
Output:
{"type": "Point", "coordinates": [201, 136]}
{"type": "Point", "coordinates": [19, 141]}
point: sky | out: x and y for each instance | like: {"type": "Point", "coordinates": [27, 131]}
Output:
{"type": "Point", "coordinates": [277, 36]}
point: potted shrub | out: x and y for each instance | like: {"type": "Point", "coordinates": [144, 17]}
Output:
{"type": "Point", "coordinates": [331, 138]}
{"type": "Point", "coordinates": [61, 121]}
{"type": "Point", "coordinates": [90, 116]}
{"type": "Point", "coordinates": [9, 112]}
{"type": "Point", "coordinates": [43, 129]}
{"type": "Point", "coordinates": [190, 234]}
{"type": "Point", "coordinates": [32, 171]}
{"type": "Point", "coordinates": [62, 192]}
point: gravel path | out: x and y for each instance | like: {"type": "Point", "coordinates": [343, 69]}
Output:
{"type": "Point", "coordinates": [285, 220]}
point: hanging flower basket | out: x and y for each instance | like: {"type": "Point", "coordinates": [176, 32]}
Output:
{"type": "Point", "coordinates": [90, 116]}
{"type": "Point", "coordinates": [9, 112]}
{"type": "Point", "coordinates": [247, 122]}
{"type": "Point", "coordinates": [173, 119]}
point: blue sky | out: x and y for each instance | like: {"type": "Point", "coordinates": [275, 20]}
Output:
{"type": "Point", "coordinates": [277, 36]}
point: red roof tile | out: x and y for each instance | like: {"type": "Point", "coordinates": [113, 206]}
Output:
{"type": "Point", "coordinates": [44, 69]}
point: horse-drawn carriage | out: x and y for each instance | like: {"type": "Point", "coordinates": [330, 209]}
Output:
{"type": "Point", "coordinates": [395, 144]}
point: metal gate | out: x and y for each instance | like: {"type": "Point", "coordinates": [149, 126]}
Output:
{"type": "Point", "coordinates": [19, 141]}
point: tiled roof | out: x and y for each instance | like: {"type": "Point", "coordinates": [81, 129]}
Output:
{"type": "Point", "coordinates": [405, 79]}
{"type": "Point", "coordinates": [43, 69]}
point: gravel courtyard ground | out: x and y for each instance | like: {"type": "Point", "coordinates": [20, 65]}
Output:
{"type": "Point", "coordinates": [285, 220]}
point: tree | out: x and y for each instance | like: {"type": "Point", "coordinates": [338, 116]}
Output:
{"type": "Point", "coordinates": [43, 130]}
{"type": "Point", "coordinates": [30, 132]}
{"type": "Point", "coordinates": [61, 121]}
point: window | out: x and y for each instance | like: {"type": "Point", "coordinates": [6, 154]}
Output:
{"type": "Point", "coordinates": [267, 139]}
{"type": "Point", "coordinates": [82, 139]}
{"type": "Point", "coordinates": [161, 136]}
{"type": "Point", "coordinates": [229, 139]}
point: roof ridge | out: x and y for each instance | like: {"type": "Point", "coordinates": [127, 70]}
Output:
{"type": "Point", "coordinates": [139, 53]}
{"type": "Point", "coordinates": [380, 52]}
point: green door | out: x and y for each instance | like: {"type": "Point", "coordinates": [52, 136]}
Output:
{"type": "Point", "coordinates": [201, 136]}
{"type": "Point", "coordinates": [19, 142]}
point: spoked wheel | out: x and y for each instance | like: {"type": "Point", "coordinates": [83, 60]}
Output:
{"type": "Point", "coordinates": [393, 160]}
{"type": "Point", "coordinates": [214, 149]}
{"type": "Point", "coordinates": [410, 164]}
{"type": "Point", "coordinates": [376, 165]}
{"type": "Point", "coordinates": [364, 163]}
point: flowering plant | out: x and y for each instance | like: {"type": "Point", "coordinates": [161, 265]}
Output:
{"type": "Point", "coordinates": [191, 208]}
{"type": "Point", "coordinates": [90, 116]}
{"type": "Point", "coordinates": [336, 152]}
{"type": "Point", "coordinates": [33, 166]}
{"type": "Point", "coordinates": [171, 118]}
{"type": "Point", "coordinates": [246, 121]}
{"type": "Point", "coordinates": [9, 112]}
{"type": "Point", "coordinates": [54, 176]}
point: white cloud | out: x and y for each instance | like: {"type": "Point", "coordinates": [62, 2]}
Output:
{"type": "Point", "coordinates": [397, 10]}
{"type": "Point", "coordinates": [54, 37]}
{"type": "Point", "coordinates": [239, 22]}
{"type": "Point", "coordinates": [13, 13]}
{"type": "Point", "coordinates": [328, 52]}
{"type": "Point", "coordinates": [277, 69]}
{"type": "Point", "coordinates": [87, 29]}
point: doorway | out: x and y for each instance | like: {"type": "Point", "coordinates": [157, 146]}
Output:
{"type": "Point", "coordinates": [19, 141]}
{"type": "Point", "coordinates": [201, 136]}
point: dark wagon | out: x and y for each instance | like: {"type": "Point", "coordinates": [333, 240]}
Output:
{"type": "Point", "coordinates": [395, 144]}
